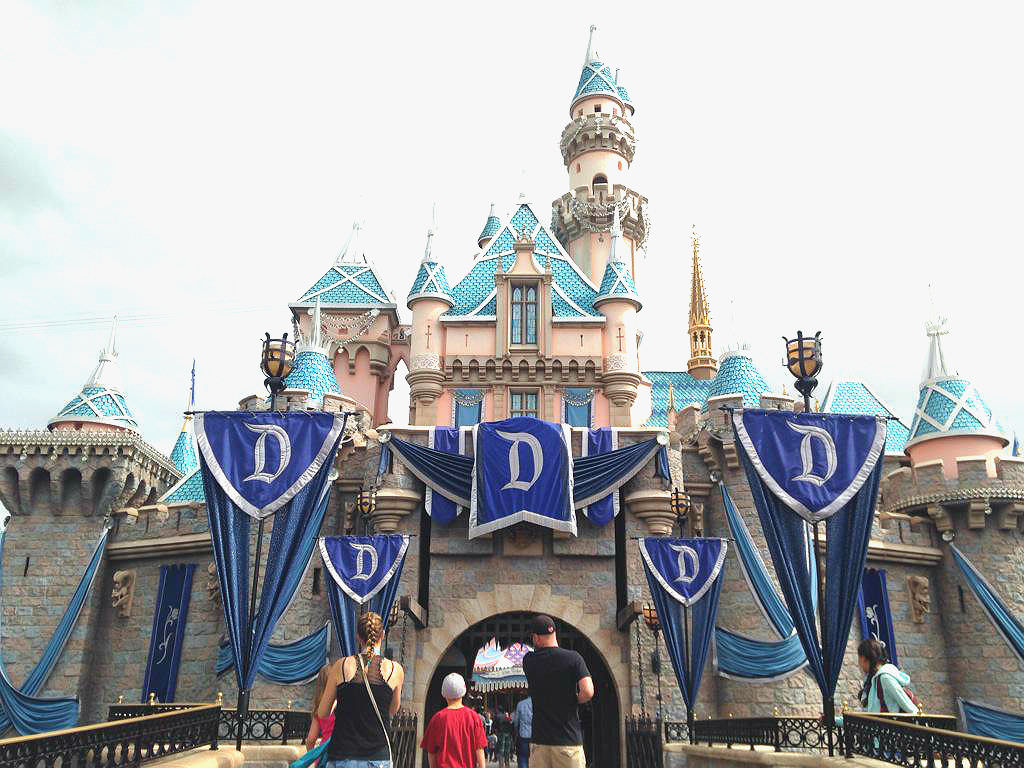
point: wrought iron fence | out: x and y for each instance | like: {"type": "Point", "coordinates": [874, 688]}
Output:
{"type": "Point", "coordinates": [676, 731]}
{"type": "Point", "coordinates": [918, 746]}
{"type": "Point", "coordinates": [643, 742]}
{"type": "Point", "coordinates": [276, 725]}
{"type": "Point", "coordinates": [125, 742]}
{"type": "Point", "coordinates": [403, 739]}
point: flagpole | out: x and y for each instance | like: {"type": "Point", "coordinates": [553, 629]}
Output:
{"type": "Point", "coordinates": [689, 676]}
{"type": "Point", "coordinates": [828, 702]}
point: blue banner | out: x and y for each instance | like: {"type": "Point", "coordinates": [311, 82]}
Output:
{"type": "Point", "coordinates": [1006, 624]}
{"type": "Point", "coordinates": [813, 463]}
{"type": "Point", "coordinates": [522, 471]}
{"type": "Point", "coordinates": [596, 442]}
{"type": "Point", "coordinates": [684, 578]}
{"type": "Point", "coordinates": [262, 460]}
{"type": "Point", "coordinates": [292, 663]}
{"type": "Point", "coordinates": [365, 573]}
{"type": "Point", "coordinates": [290, 461]}
{"type": "Point", "coordinates": [873, 608]}
{"type": "Point", "coordinates": [441, 509]}
{"type": "Point", "coordinates": [824, 446]}
{"type": "Point", "coordinates": [169, 619]}
{"type": "Point", "coordinates": [990, 722]}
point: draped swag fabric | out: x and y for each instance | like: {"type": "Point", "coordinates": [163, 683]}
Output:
{"type": "Point", "coordinates": [874, 613]}
{"type": "Point", "coordinates": [675, 592]}
{"type": "Point", "coordinates": [595, 442]}
{"type": "Point", "coordinates": [594, 476]}
{"type": "Point", "coordinates": [1006, 624]}
{"type": "Point", "coordinates": [847, 527]}
{"type": "Point", "coordinates": [296, 524]}
{"type": "Point", "coordinates": [441, 509]}
{"type": "Point", "coordinates": [739, 657]}
{"type": "Point", "coordinates": [287, 663]}
{"type": "Point", "coordinates": [347, 589]}
{"type": "Point", "coordinates": [992, 723]}
{"type": "Point", "coordinates": [21, 709]}
{"type": "Point", "coordinates": [169, 619]}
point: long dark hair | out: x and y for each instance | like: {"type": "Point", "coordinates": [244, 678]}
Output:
{"type": "Point", "coordinates": [874, 652]}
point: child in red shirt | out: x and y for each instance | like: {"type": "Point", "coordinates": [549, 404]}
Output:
{"type": "Point", "coordinates": [455, 736]}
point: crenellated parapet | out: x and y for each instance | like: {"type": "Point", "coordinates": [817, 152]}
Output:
{"type": "Point", "coordinates": [591, 209]}
{"type": "Point", "coordinates": [597, 131]}
{"type": "Point", "coordinates": [925, 491]}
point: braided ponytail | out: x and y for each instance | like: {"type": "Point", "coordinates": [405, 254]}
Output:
{"type": "Point", "coordinates": [370, 630]}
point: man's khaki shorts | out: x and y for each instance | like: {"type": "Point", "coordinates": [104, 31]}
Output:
{"type": "Point", "coordinates": [549, 756]}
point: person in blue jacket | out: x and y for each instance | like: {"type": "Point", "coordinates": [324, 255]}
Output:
{"type": "Point", "coordinates": [886, 686]}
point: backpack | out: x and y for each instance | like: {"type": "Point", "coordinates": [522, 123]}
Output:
{"type": "Point", "coordinates": [881, 695]}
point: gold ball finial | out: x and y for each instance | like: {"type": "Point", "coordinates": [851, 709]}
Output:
{"type": "Point", "coordinates": [120, 699]}
{"type": "Point", "coordinates": [152, 698]}
{"type": "Point", "coordinates": [220, 697]}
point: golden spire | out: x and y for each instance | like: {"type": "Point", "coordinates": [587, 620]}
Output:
{"type": "Point", "coordinates": [671, 398]}
{"type": "Point", "coordinates": [702, 364]}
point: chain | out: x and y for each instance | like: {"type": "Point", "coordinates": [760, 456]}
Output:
{"type": "Point", "coordinates": [401, 650]}
{"type": "Point", "coordinates": [640, 666]}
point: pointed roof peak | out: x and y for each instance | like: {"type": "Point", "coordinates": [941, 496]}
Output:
{"type": "Point", "coordinates": [615, 251]}
{"type": "Point", "coordinates": [592, 54]}
{"type": "Point", "coordinates": [700, 309]}
{"type": "Point", "coordinates": [352, 251]}
{"type": "Point", "coordinates": [106, 373]}
{"type": "Point", "coordinates": [935, 366]}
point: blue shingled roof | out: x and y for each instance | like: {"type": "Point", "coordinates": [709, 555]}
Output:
{"type": "Point", "coordinates": [491, 227]}
{"type": "Point", "coordinates": [573, 296]}
{"type": "Point", "coordinates": [183, 454]}
{"type": "Point", "coordinates": [597, 78]}
{"type": "Point", "coordinates": [952, 405]}
{"type": "Point", "coordinates": [348, 283]}
{"type": "Point", "coordinates": [856, 397]}
{"type": "Point", "coordinates": [314, 373]}
{"type": "Point", "coordinates": [98, 404]}
{"type": "Point", "coordinates": [617, 282]}
{"type": "Point", "coordinates": [430, 281]}
{"type": "Point", "coordinates": [737, 375]}
{"type": "Point", "coordinates": [189, 488]}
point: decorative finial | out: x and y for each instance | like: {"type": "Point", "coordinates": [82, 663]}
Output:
{"type": "Point", "coordinates": [350, 250]}
{"type": "Point", "coordinates": [431, 231]}
{"type": "Point", "coordinates": [695, 240]}
{"type": "Point", "coordinates": [111, 350]}
{"type": "Point", "coordinates": [935, 366]}
{"type": "Point", "coordinates": [615, 252]}
{"type": "Point", "coordinates": [592, 54]}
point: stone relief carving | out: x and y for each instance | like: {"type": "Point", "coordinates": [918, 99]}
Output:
{"type": "Point", "coordinates": [123, 592]}
{"type": "Point", "coordinates": [212, 583]}
{"type": "Point", "coordinates": [920, 597]}
{"type": "Point", "coordinates": [616, 361]}
{"type": "Point", "coordinates": [427, 361]}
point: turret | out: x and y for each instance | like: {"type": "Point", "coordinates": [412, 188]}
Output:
{"type": "Point", "coordinates": [618, 301]}
{"type": "Point", "coordinates": [951, 419]}
{"type": "Point", "coordinates": [701, 364]}
{"type": "Point", "coordinates": [429, 298]}
{"type": "Point", "coordinates": [183, 454]}
{"type": "Point", "coordinates": [100, 404]}
{"type": "Point", "coordinates": [491, 227]}
{"type": "Point", "coordinates": [597, 148]}
{"type": "Point", "coordinates": [312, 370]}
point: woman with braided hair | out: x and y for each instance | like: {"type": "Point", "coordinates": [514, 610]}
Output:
{"type": "Point", "coordinates": [368, 691]}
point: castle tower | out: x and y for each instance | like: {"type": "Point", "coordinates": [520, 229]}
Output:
{"type": "Point", "coordinates": [619, 302]}
{"type": "Point", "coordinates": [312, 370]}
{"type": "Point", "coordinates": [491, 227]}
{"type": "Point", "coordinates": [597, 148]}
{"type": "Point", "coordinates": [183, 454]}
{"type": "Point", "coordinates": [429, 298]}
{"type": "Point", "coordinates": [100, 404]}
{"type": "Point", "coordinates": [701, 364]}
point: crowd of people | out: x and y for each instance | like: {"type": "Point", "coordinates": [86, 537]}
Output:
{"type": "Point", "coordinates": [357, 696]}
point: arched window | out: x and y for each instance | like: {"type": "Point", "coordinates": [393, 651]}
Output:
{"type": "Point", "coordinates": [600, 179]}
{"type": "Point", "coordinates": [523, 320]}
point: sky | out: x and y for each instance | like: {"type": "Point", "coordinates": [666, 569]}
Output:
{"type": "Point", "coordinates": [193, 167]}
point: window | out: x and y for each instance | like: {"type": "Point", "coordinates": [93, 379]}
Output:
{"type": "Point", "coordinates": [523, 320]}
{"type": "Point", "coordinates": [597, 107]}
{"type": "Point", "coordinates": [523, 403]}
{"type": "Point", "coordinates": [600, 179]}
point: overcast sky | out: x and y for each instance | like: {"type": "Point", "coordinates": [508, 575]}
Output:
{"type": "Point", "coordinates": [198, 166]}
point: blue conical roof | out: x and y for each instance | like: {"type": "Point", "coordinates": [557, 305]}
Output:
{"type": "Point", "coordinates": [183, 454]}
{"type": "Point", "coordinates": [597, 79]}
{"type": "Point", "coordinates": [100, 400]}
{"type": "Point", "coordinates": [312, 371]}
{"type": "Point", "coordinates": [618, 281]}
{"type": "Point", "coordinates": [491, 227]}
{"type": "Point", "coordinates": [737, 375]}
{"type": "Point", "coordinates": [352, 281]}
{"type": "Point", "coordinates": [430, 282]}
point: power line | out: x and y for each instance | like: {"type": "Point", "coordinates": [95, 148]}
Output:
{"type": "Point", "coordinates": [138, 320]}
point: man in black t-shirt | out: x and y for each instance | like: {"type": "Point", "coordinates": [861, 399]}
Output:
{"type": "Point", "coordinates": [559, 682]}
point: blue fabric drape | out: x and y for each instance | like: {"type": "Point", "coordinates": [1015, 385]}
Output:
{"type": "Point", "coordinates": [288, 663]}
{"type": "Point", "coordinates": [468, 413]}
{"type": "Point", "coordinates": [578, 404]}
{"type": "Point", "coordinates": [848, 532]}
{"type": "Point", "coordinates": [598, 441]}
{"type": "Point", "coordinates": [21, 709]}
{"type": "Point", "coordinates": [701, 623]}
{"type": "Point", "coordinates": [874, 613]}
{"type": "Point", "coordinates": [594, 477]}
{"type": "Point", "coordinates": [1006, 624]}
{"type": "Point", "coordinates": [296, 526]}
{"type": "Point", "coordinates": [165, 640]}
{"type": "Point", "coordinates": [441, 509]}
{"type": "Point", "coordinates": [739, 657]}
{"type": "Point", "coordinates": [992, 723]}
{"type": "Point", "coordinates": [345, 611]}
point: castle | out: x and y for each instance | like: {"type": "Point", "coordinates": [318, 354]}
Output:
{"type": "Point", "coordinates": [545, 322]}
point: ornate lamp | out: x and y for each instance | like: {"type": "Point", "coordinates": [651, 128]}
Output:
{"type": "Point", "coordinates": [393, 615]}
{"type": "Point", "coordinates": [278, 357]}
{"type": "Point", "coordinates": [803, 359]}
{"type": "Point", "coordinates": [680, 504]}
{"type": "Point", "coordinates": [366, 502]}
{"type": "Point", "coordinates": [653, 623]}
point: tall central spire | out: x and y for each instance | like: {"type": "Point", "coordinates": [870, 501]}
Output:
{"type": "Point", "coordinates": [592, 54]}
{"type": "Point", "coordinates": [701, 364]}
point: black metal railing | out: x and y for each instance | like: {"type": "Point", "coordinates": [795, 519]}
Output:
{"type": "Point", "coordinates": [676, 731]}
{"type": "Point", "coordinates": [782, 734]}
{"type": "Point", "coordinates": [403, 739]}
{"type": "Point", "coordinates": [126, 742]}
{"type": "Point", "coordinates": [276, 725]}
{"type": "Point", "coordinates": [643, 742]}
{"type": "Point", "coordinates": [918, 746]}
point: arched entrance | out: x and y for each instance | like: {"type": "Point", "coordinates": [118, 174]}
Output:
{"type": "Point", "coordinates": [600, 717]}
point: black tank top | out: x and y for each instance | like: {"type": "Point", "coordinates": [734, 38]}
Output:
{"type": "Point", "coordinates": [357, 731]}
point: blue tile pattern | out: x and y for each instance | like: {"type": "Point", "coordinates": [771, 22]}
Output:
{"type": "Point", "coordinates": [313, 373]}
{"type": "Point", "coordinates": [501, 244]}
{"type": "Point", "coordinates": [430, 279]}
{"type": "Point", "coordinates": [563, 308]}
{"type": "Point", "coordinates": [617, 282]}
{"type": "Point", "coordinates": [596, 78]}
{"type": "Point", "coordinates": [685, 390]}
{"type": "Point", "coordinates": [624, 95]}
{"type": "Point", "coordinates": [348, 284]}
{"type": "Point", "coordinates": [189, 488]}
{"type": "Point", "coordinates": [524, 219]}
{"type": "Point", "coordinates": [737, 375]}
{"type": "Point", "coordinates": [854, 397]}
{"type": "Point", "coordinates": [100, 405]}
{"type": "Point", "coordinates": [939, 407]}
{"type": "Point", "coordinates": [183, 454]}
{"type": "Point", "coordinates": [955, 387]}
{"type": "Point", "coordinates": [952, 405]}
{"type": "Point", "coordinates": [491, 227]}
